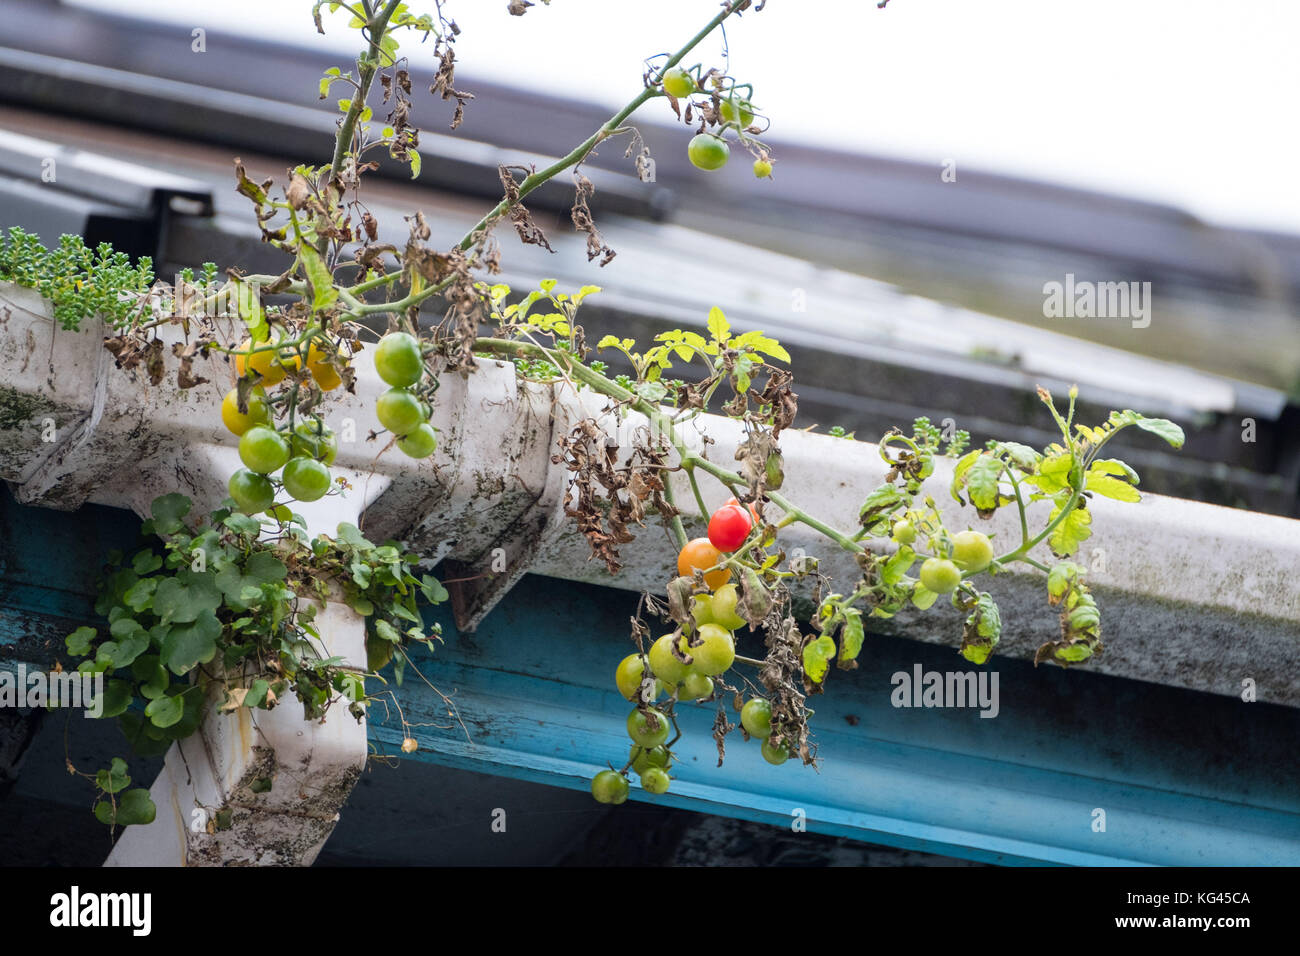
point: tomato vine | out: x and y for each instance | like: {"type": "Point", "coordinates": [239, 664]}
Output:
{"type": "Point", "coordinates": [342, 279]}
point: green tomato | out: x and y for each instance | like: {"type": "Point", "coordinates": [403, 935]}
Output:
{"type": "Point", "coordinates": [655, 780]}
{"type": "Point", "coordinates": [972, 550]}
{"type": "Point", "coordinates": [397, 359]}
{"type": "Point", "coordinates": [643, 759]}
{"type": "Point", "coordinates": [609, 786]}
{"type": "Point", "coordinates": [904, 532]}
{"type": "Point", "coordinates": [639, 729]}
{"type": "Point", "coordinates": [728, 110]}
{"type": "Point", "coordinates": [775, 755]}
{"type": "Point", "coordinates": [313, 439]}
{"type": "Point", "coordinates": [678, 83]}
{"type": "Point", "coordinates": [629, 674]}
{"type": "Point", "coordinates": [708, 151]}
{"type": "Point", "coordinates": [664, 664]}
{"type": "Point", "coordinates": [262, 450]}
{"type": "Point", "coordinates": [756, 717]}
{"type": "Point", "coordinates": [702, 609]}
{"type": "Point", "coordinates": [762, 168]}
{"type": "Point", "coordinates": [715, 654]}
{"type": "Point", "coordinates": [253, 493]}
{"type": "Point", "coordinates": [940, 576]}
{"type": "Point", "coordinates": [725, 600]}
{"type": "Point", "coordinates": [306, 479]}
{"type": "Point", "coordinates": [420, 443]}
{"type": "Point", "coordinates": [399, 411]}
{"type": "Point", "coordinates": [695, 686]}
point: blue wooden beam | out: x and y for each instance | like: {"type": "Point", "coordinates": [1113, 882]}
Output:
{"type": "Point", "coordinates": [1183, 778]}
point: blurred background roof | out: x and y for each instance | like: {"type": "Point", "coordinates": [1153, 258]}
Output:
{"type": "Point", "coordinates": [910, 295]}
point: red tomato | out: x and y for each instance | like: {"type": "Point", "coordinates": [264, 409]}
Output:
{"type": "Point", "coordinates": [753, 509]}
{"type": "Point", "coordinates": [729, 527]}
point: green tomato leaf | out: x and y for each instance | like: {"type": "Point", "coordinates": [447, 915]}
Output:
{"type": "Point", "coordinates": [816, 658]}
{"type": "Point", "coordinates": [923, 597]}
{"type": "Point", "coordinates": [851, 636]}
{"type": "Point", "coordinates": [719, 327]}
{"type": "Point", "coordinates": [959, 474]}
{"type": "Point", "coordinates": [324, 294]}
{"type": "Point", "coordinates": [1111, 487]}
{"type": "Point", "coordinates": [982, 484]}
{"type": "Point", "coordinates": [1070, 533]}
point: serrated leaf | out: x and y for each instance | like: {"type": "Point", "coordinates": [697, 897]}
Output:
{"type": "Point", "coordinates": [718, 325]}
{"type": "Point", "coordinates": [1112, 487]}
{"type": "Point", "coordinates": [1070, 533]}
{"type": "Point", "coordinates": [959, 473]}
{"type": "Point", "coordinates": [851, 636]}
{"type": "Point", "coordinates": [816, 658]}
{"type": "Point", "coordinates": [982, 484]}
{"type": "Point", "coordinates": [1020, 455]}
{"type": "Point", "coordinates": [324, 294]}
{"type": "Point", "coordinates": [923, 597]}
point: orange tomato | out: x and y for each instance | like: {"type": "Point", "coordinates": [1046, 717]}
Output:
{"type": "Point", "coordinates": [700, 554]}
{"type": "Point", "coordinates": [261, 362]}
{"type": "Point", "coordinates": [326, 375]}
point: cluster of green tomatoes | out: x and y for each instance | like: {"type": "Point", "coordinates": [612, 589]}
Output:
{"type": "Point", "coordinates": [709, 150]}
{"type": "Point", "coordinates": [971, 551]}
{"type": "Point", "coordinates": [304, 453]}
{"type": "Point", "coordinates": [705, 649]}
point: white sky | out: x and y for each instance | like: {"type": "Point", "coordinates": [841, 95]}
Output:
{"type": "Point", "coordinates": [1191, 102]}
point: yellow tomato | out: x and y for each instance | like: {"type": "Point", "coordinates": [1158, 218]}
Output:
{"type": "Point", "coordinates": [261, 362]}
{"type": "Point", "coordinates": [238, 422]}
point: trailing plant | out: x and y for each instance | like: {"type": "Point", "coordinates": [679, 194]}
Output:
{"type": "Point", "coordinates": [342, 281]}
{"type": "Point", "coordinates": [227, 613]}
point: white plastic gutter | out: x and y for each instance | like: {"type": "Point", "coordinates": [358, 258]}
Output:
{"type": "Point", "coordinates": [1193, 595]}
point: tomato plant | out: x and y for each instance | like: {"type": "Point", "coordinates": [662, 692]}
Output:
{"type": "Point", "coordinates": [737, 584]}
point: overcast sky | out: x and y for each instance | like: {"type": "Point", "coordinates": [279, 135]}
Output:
{"type": "Point", "coordinates": [1191, 102]}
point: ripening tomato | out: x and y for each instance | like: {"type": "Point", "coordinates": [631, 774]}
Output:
{"type": "Point", "coordinates": [940, 576]}
{"type": "Point", "coordinates": [725, 600]}
{"type": "Point", "coordinates": [729, 526]}
{"type": "Point", "coordinates": [326, 375]}
{"type": "Point", "coordinates": [972, 550]}
{"type": "Point", "coordinates": [261, 361]}
{"type": "Point", "coordinates": [700, 554]}
{"type": "Point", "coordinates": [753, 509]}
{"type": "Point", "coordinates": [235, 420]}
{"type": "Point", "coordinates": [262, 449]}
{"type": "Point", "coordinates": [715, 653]}
{"type": "Point", "coordinates": [695, 686]}
{"type": "Point", "coordinates": [664, 664]}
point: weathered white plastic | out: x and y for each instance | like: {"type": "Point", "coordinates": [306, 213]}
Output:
{"type": "Point", "coordinates": [1193, 595]}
